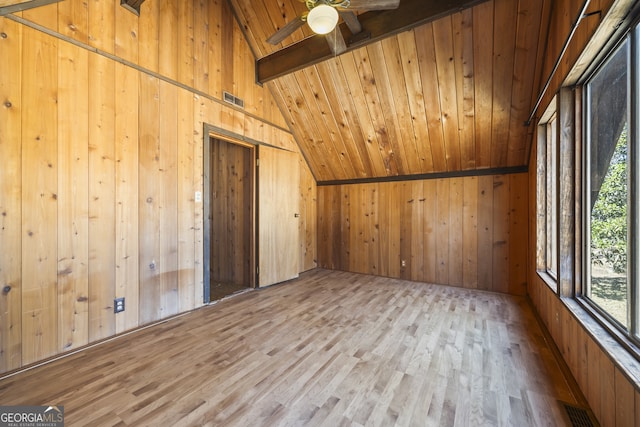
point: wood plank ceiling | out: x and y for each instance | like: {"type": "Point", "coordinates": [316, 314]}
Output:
{"type": "Point", "coordinates": [449, 95]}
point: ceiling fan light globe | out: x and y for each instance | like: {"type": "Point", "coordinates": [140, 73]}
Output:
{"type": "Point", "coordinates": [322, 19]}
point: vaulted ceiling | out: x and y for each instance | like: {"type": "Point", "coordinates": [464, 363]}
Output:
{"type": "Point", "coordinates": [450, 94]}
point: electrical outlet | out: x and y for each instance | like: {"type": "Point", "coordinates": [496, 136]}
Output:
{"type": "Point", "coordinates": [403, 263]}
{"type": "Point", "coordinates": [118, 305]}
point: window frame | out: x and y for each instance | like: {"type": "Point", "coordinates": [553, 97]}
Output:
{"type": "Point", "coordinates": [629, 336]}
{"type": "Point", "coordinates": [548, 151]}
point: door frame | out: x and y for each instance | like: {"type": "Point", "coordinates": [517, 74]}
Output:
{"type": "Point", "coordinates": [210, 133]}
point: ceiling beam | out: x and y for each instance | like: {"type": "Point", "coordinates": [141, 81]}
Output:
{"type": "Point", "coordinates": [14, 6]}
{"type": "Point", "coordinates": [376, 25]}
{"type": "Point", "coordinates": [132, 5]}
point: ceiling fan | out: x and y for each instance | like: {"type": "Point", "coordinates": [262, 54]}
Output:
{"type": "Point", "coordinates": [323, 16]}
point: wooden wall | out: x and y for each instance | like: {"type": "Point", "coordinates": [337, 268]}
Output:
{"type": "Point", "coordinates": [101, 144]}
{"type": "Point", "coordinates": [308, 242]}
{"type": "Point", "coordinates": [469, 232]}
{"type": "Point", "coordinates": [605, 377]}
{"type": "Point", "coordinates": [610, 392]}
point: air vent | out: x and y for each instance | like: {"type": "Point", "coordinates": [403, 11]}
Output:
{"type": "Point", "coordinates": [579, 417]}
{"type": "Point", "coordinates": [233, 99]}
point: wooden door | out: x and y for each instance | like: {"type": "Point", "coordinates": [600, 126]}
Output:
{"type": "Point", "coordinates": [278, 206]}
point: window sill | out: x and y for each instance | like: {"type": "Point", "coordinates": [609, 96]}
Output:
{"type": "Point", "coordinates": [550, 281]}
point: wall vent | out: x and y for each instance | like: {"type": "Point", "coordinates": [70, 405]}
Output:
{"type": "Point", "coordinates": [232, 99]}
{"type": "Point", "coordinates": [579, 417]}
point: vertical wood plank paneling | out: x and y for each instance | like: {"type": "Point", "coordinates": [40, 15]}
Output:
{"type": "Point", "coordinates": [73, 17]}
{"type": "Point", "coordinates": [637, 400]}
{"type": "Point", "coordinates": [357, 258]}
{"type": "Point", "coordinates": [456, 232]}
{"type": "Point", "coordinates": [186, 203]}
{"type": "Point", "coordinates": [428, 68]}
{"type": "Point", "coordinates": [383, 61]}
{"type": "Point", "coordinates": [101, 197]}
{"type": "Point", "coordinates": [470, 233]}
{"type": "Point", "coordinates": [126, 170]}
{"type": "Point", "coordinates": [200, 45]}
{"type": "Point", "coordinates": [373, 237]}
{"type": "Point", "coordinates": [325, 229]}
{"type": "Point", "coordinates": [368, 133]}
{"type": "Point", "coordinates": [444, 48]}
{"type": "Point", "coordinates": [415, 226]}
{"type": "Point", "coordinates": [527, 33]}
{"type": "Point", "coordinates": [608, 396]}
{"type": "Point", "coordinates": [485, 232]}
{"type": "Point", "coordinates": [168, 38]}
{"type": "Point", "coordinates": [624, 401]}
{"type": "Point", "coordinates": [581, 371]}
{"type": "Point", "coordinates": [465, 82]}
{"type": "Point", "coordinates": [76, 231]}
{"type": "Point", "coordinates": [413, 82]}
{"type": "Point", "coordinates": [149, 35]}
{"type": "Point", "coordinates": [168, 199]}
{"type": "Point", "coordinates": [308, 218]}
{"type": "Point", "coordinates": [214, 49]}
{"type": "Point", "coordinates": [46, 15]}
{"type": "Point", "coordinates": [101, 25]}
{"type": "Point", "coordinates": [149, 199]}
{"type": "Point", "coordinates": [592, 392]}
{"type": "Point", "coordinates": [348, 126]}
{"type": "Point", "coordinates": [10, 197]}
{"type": "Point", "coordinates": [232, 40]}
{"type": "Point", "coordinates": [392, 254]}
{"type": "Point", "coordinates": [483, 77]}
{"type": "Point", "coordinates": [518, 237]}
{"type": "Point", "coordinates": [344, 223]}
{"type": "Point", "coordinates": [453, 231]}
{"type": "Point", "coordinates": [504, 41]}
{"type": "Point", "coordinates": [335, 219]}
{"type": "Point", "coordinates": [185, 43]}
{"type": "Point", "coordinates": [399, 98]}
{"type": "Point", "coordinates": [384, 256]}
{"type": "Point", "coordinates": [443, 242]}
{"type": "Point", "coordinates": [73, 197]}
{"type": "Point", "coordinates": [501, 224]}
{"type": "Point", "coordinates": [39, 196]}
{"type": "Point", "coordinates": [126, 33]}
{"type": "Point", "coordinates": [569, 340]}
{"type": "Point", "coordinates": [408, 258]}
{"type": "Point", "coordinates": [429, 206]}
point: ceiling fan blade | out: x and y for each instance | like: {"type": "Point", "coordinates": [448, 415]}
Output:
{"type": "Point", "coordinates": [285, 31]}
{"type": "Point", "coordinates": [336, 41]}
{"type": "Point", "coordinates": [374, 4]}
{"type": "Point", "coordinates": [351, 20]}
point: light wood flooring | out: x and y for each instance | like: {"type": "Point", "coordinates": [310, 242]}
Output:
{"type": "Point", "coordinates": [330, 348]}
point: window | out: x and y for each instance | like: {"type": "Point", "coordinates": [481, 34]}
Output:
{"type": "Point", "coordinates": [547, 240]}
{"type": "Point", "coordinates": [611, 210]}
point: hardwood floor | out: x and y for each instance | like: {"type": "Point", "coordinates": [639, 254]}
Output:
{"type": "Point", "coordinates": [330, 348]}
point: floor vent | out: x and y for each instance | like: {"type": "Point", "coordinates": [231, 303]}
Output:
{"type": "Point", "coordinates": [233, 99]}
{"type": "Point", "coordinates": [579, 417]}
